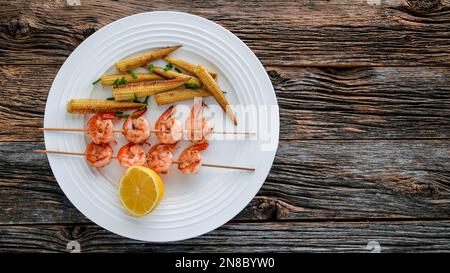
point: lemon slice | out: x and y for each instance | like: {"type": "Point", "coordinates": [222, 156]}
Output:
{"type": "Point", "coordinates": [140, 190]}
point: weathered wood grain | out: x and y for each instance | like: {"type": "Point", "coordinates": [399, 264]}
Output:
{"type": "Point", "coordinates": [363, 102]}
{"type": "Point", "coordinates": [420, 236]}
{"type": "Point", "coordinates": [309, 180]}
{"type": "Point", "coordinates": [305, 33]}
{"type": "Point", "coordinates": [315, 103]}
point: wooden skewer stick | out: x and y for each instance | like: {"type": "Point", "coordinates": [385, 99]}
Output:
{"type": "Point", "coordinates": [58, 152]}
{"type": "Point", "coordinates": [120, 131]}
{"type": "Point", "coordinates": [61, 153]}
{"type": "Point", "coordinates": [224, 167]}
{"type": "Point", "coordinates": [229, 167]}
{"type": "Point", "coordinates": [176, 162]}
{"type": "Point", "coordinates": [63, 129]}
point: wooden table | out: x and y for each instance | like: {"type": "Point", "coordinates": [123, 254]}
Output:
{"type": "Point", "coordinates": [364, 96]}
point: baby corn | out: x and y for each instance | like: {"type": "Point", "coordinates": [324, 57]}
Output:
{"type": "Point", "coordinates": [185, 65]}
{"type": "Point", "coordinates": [170, 74]}
{"type": "Point", "coordinates": [211, 85]}
{"type": "Point", "coordinates": [144, 58]}
{"type": "Point", "coordinates": [143, 89]}
{"type": "Point", "coordinates": [87, 106]}
{"type": "Point", "coordinates": [180, 95]}
{"type": "Point", "coordinates": [108, 80]}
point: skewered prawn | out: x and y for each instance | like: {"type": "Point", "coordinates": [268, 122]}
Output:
{"type": "Point", "coordinates": [160, 157]}
{"type": "Point", "coordinates": [99, 155]}
{"type": "Point", "coordinates": [190, 159]}
{"type": "Point", "coordinates": [198, 128]}
{"type": "Point", "coordinates": [131, 155]}
{"type": "Point", "coordinates": [136, 129]}
{"type": "Point", "coordinates": [168, 129]}
{"type": "Point", "coordinates": [101, 128]}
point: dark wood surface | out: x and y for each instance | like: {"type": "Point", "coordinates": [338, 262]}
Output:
{"type": "Point", "coordinates": [364, 95]}
{"type": "Point", "coordinates": [236, 237]}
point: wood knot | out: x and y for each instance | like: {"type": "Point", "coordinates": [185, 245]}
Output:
{"type": "Point", "coordinates": [424, 6]}
{"type": "Point", "coordinates": [264, 209]}
{"type": "Point", "coordinates": [88, 31]}
{"type": "Point", "coordinates": [274, 75]}
{"type": "Point", "coordinates": [19, 28]}
{"type": "Point", "coordinates": [71, 232]}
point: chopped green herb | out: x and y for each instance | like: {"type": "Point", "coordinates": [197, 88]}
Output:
{"type": "Point", "coordinates": [177, 69]}
{"type": "Point", "coordinates": [116, 82]}
{"type": "Point", "coordinates": [123, 81]}
{"type": "Point", "coordinates": [135, 115]}
{"type": "Point", "coordinates": [133, 74]}
{"type": "Point", "coordinates": [168, 67]}
{"type": "Point", "coordinates": [135, 96]}
{"type": "Point", "coordinates": [146, 99]}
{"type": "Point", "coordinates": [119, 114]}
{"type": "Point", "coordinates": [99, 79]}
{"type": "Point", "coordinates": [191, 85]}
{"type": "Point", "coordinates": [111, 98]}
{"type": "Point", "coordinates": [125, 116]}
{"type": "Point", "coordinates": [151, 67]}
{"type": "Point", "coordinates": [143, 107]}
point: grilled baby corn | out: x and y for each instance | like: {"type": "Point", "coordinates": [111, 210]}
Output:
{"type": "Point", "coordinates": [87, 106]}
{"type": "Point", "coordinates": [211, 85]}
{"type": "Point", "coordinates": [142, 89]}
{"type": "Point", "coordinates": [180, 95]}
{"type": "Point", "coordinates": [143, 59]}
{"type": "Point", "coordinates": [170, 74]}
{"type": "Point", "coordinates": [108, 80]}
{"type": "Point", "coordinates": [185, 65]}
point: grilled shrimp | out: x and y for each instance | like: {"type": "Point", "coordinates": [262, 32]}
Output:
{"type": "Point", "coordinates": [99, 155]}
{"type": "Point", "coordinates": [136, 128]}
{"type": "Point", "coordinates": [190, 159]}
{"type": "Point", "coordinates": [168, 129]}
{"type": "Point", "coordinates": [131, 155]}
{"type": "Point", "coordinates": [160, 157]}
{"type": "Point", "coordinates": [197, 126]}
{"type": "Point", "coordinates": [101, 128]}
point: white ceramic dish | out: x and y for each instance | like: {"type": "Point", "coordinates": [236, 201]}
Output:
{"type": "Point", "coordinates": [193, 205]}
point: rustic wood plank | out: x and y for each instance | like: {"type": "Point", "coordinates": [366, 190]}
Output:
{"type": "Point", "coordinates": [420, 236]}
{"type": "Point", "coordinates": [315, 103]}
{"type": "Point", "coordinates": [302, 33]}
{"type": "Point", "coordinates": [363, 102]}
{"type": "Point", "coordinates": [309, 180]}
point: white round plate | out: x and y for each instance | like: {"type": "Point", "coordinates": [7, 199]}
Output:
{"type": "Point", "coordinates": [193, 204]}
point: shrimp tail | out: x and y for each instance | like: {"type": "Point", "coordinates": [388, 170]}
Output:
{"type": "Point", "coordinates": [108, 115]}
{"type": "Point", "coordinates": [138, 113]}
{"type": "Point", "coordinates": [196, 108]}
{"type": "Point", "coordinates": [201, 146]}
{"type": "Point", "coordinates": [172, 146]}
{"type": "Point", "coordinates": [168, 113]}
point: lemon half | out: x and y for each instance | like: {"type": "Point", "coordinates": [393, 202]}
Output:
{"type": "Point", "coordinates": [140, 190]}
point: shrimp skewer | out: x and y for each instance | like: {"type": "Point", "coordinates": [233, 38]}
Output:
{"type": "Point", "coordinates": [131, 155]}
{"type": "Point", "coordinates": [101, 128]}
{"type": "Point", "coordinates": [197, 127]}
{"type": "Point", "coordinates": [136, 128]}
{"type": "Point", "coordinates": [121, 131]}
{"type": "Point", "coordinates": [190, 159]}
{"type": "Point", "coordinates": [167, 128]}
{"type": "Point", "coordinates": [176, 162]}
{"type": "Point", "coordinates": [160, 157]}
